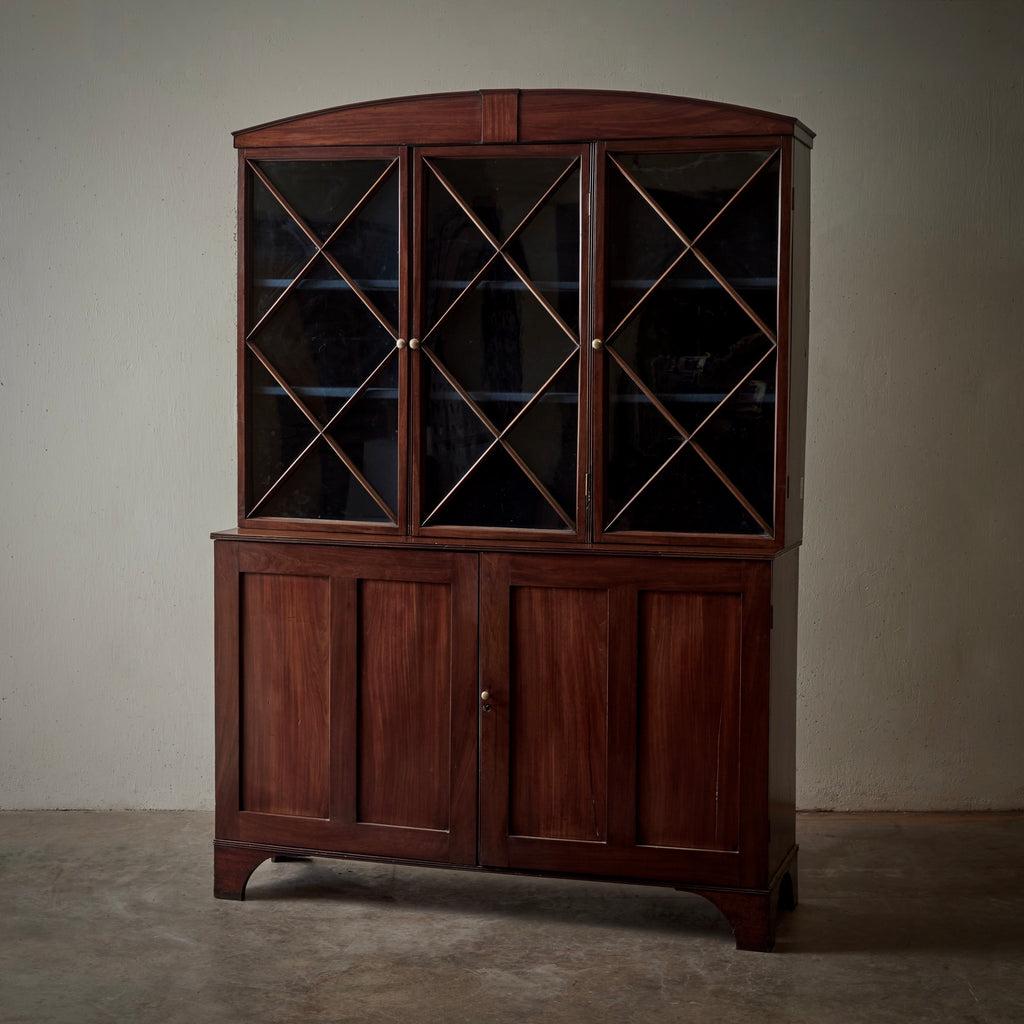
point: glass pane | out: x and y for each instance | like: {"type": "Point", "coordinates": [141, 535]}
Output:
{"type": "Point", "coordinates": [740, 438]}
{"type": "Point", "coordinates": [323, 340]}
{"type": "Point", "coordinates": [500, 344]}
{"type": "Point", "coordinates": [279, 250]}
{"type": "Point", "coordinates": [639, 247]}
{"type": "Point", "coordinates": [321, 487]}
{"type": "Point", "coordinates": [743, 244]}
{"type": "Point", "coordinates": [691, 343]}
{"type": "Point", "coordinates": [692, 187]}
{"type": "Point", "coordinates": [687, 498]}
{"type": "Point", "coordinates": [454, 438]}
{"type": "Point", "coordinates": [454, 250]}
{"type": "Point", "coordinates": [545, 437]}
{"type": "Point", "coordinates": [367, 248]}
{"type": "Point", "coordinates": [322, 192]}
{"type": "Point", "coordinates": [499, 340]}
{"type": "Point", "coordinates": [638, 439]}
{"type": "Point", "coordinates": [501, 190]}
{"type": "Point", "coordinates": [497, 493]}
{"type": "Point", "coordinates": [547, 250]}
{"type": "Point", "coordinates": [277, 430]}
{"type": "Point", "coordinates": [367, 431]}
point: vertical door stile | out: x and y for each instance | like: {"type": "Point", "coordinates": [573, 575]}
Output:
{"type": "Point", "coordinates": [494, 724]}
{"type": "Point", "coordinates": [622, 717]}
{"type": "Point", "coordinates": [344, 697]}
{"type": "Point", "coordinates": [404, 296]}
{"type": "Point", "coordinates": [595, 360]}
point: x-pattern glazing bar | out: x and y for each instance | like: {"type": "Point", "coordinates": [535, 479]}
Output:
{"type": "Point", "coordinates": [321, 246]}
{"type": "Point", "coordinates": [499, 438]}
{"type": "Point", "coordinates": [704, 261]}
{"type": "Point", "coordinates": [687, 247]}
{"type": "Point", "coordinates": [499, 248]}
{"type": "Point", "coordinates": [687, 439]}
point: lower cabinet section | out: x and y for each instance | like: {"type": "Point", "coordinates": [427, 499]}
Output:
{"type": "Point", "coordinates": [599, 716]}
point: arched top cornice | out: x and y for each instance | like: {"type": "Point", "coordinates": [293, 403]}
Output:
{"type": "Point", "coordinates": [518, 115]}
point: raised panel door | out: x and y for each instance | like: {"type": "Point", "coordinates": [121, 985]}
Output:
{"type": "Point", "coordinates": [624, 729]}
{"type": "Point", "coordinates": [346, 696]}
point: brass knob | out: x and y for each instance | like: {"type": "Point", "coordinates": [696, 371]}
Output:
{"type": "Point", "coordinates": [414, 343]}
{"type": "Point", "coordinates": [485, 696]}
{"type": "Point", "coordinates": [399, 342]}
{"type": "Point", "coordinates": [597, 344]}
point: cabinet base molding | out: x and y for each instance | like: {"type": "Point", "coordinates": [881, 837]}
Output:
{"type": "Point", "coordinates": [753, 914]}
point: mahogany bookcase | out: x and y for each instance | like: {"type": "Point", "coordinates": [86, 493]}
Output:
{"type": "Point", "coordinates": [521, 403]}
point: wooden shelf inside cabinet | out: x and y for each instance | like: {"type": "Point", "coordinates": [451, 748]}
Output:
{"type": "Point", "coordinates": [522, 377]}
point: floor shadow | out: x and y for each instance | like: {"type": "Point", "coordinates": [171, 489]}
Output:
{"type": "Point", "coordinates": [474, 893]}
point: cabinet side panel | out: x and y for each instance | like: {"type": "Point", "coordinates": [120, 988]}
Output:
{"type": "Point", "coordinates": [799, 340]}
{"type": "Point", "coordinates": [688, 720]}
{"type": "Point", "coordinates": [782, 708]}
{"type": "Point", "coordinates": [404, 704]}
{"type": "Point", "coordinates": [285, 695]}
{"type": "Point", "coordinates": [558, 729]}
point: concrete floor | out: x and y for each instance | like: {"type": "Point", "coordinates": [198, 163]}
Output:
{"type": "Point", "coordinates": [110, 917]}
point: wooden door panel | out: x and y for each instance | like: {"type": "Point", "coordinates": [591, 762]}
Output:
{"type": "Point", "coordinates": [558, 733]}
{"type": "Point", "coordinates": [404, 732]}
{"type": "Point", "coordinates": [285, 695]}
{"type": "Point", "coordinates": [347, 700]}
{"type": "Point", "coordinates": [688, 720]}
{"type": "Point", "coordinates": [622, 692]}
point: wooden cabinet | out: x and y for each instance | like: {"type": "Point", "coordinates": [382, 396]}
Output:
{"type": "Point", "coordinates": [521, 390]}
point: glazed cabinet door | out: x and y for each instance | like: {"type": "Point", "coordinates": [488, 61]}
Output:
{"type": "Point", "coordinates": [692, 327]}
{"type": "Point", "coordinates": [623, 717]}
{"type": "Point", "coordinates": [346, 700]}
{"type": "Point", "coordinates": [499, 439]}
{"type": "Point", "coordinates": [321, 324]}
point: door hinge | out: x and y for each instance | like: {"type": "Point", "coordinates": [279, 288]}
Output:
{"type": "Point", "coordinates": [586, 487]}
{"type": "Point", "coordinates": [771, 616]}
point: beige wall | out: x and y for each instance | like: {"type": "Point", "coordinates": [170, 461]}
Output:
{"type": "Point", "coordinates": [117, 355]}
